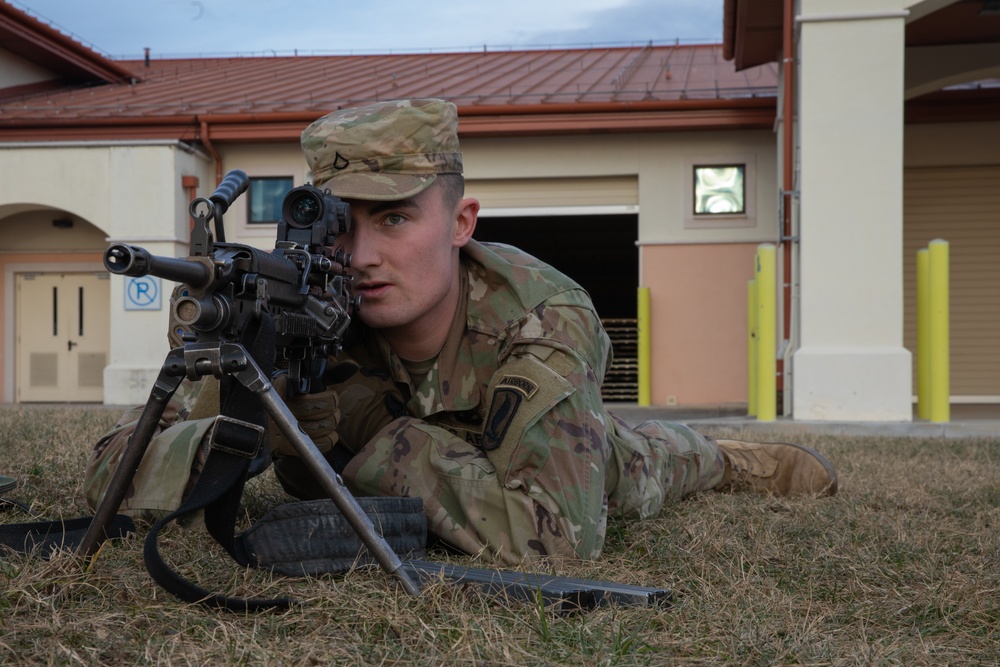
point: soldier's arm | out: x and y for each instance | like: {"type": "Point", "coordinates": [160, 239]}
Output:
{"type": "Point", "coordinates": [534, 484]}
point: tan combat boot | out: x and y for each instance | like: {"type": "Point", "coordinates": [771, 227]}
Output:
{"type": "Point", "coordinates": [776, 468]}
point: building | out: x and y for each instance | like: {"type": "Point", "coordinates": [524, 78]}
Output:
{"type": "Point", "coordinates": [894, 141]}
{"type": "Point", "coordinates": [596, 150]}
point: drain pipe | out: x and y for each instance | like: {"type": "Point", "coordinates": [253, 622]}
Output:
{"type": "Point", "coordinates": [206, 141]}
{"type": "Point", "coordinates": [787, 185]}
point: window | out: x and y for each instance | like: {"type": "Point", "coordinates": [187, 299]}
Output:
{"type": "Point", "coordinates": [719, 189]}
{"type": "Point", "coordinates": [265, 195]}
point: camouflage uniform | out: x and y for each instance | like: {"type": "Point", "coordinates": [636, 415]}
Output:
{"type": "Point", "coordinates": [506, 438]}
{"type": "Point", "coordinates": [176, 453]}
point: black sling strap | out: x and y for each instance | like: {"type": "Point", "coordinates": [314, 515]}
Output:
{"type": "Point", "coordinates": [45, 537]}
{"type": "Point", "coordinates": [236, 452]}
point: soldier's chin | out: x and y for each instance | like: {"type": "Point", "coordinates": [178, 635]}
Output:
{"type": "Point", "coordinates": [375, 318]}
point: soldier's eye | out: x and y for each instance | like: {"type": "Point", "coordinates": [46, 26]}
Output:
{"type": "Point", "coordinates": [394, 219]}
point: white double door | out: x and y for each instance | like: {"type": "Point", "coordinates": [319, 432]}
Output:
{"type": "Point", "coordinates": [62, 323]}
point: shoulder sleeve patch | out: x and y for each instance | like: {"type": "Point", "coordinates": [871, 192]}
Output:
{"type": "Point", "coordinates": [524, 385]}
{"type": "Point", "coordinates": [504, 407]}
{"type": "Point", "coordinates": [522, 392]}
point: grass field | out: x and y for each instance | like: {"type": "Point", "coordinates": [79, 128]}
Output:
{"type": "Point", "coordinates": [901, 568]}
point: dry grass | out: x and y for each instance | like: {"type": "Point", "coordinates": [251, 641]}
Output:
{"type": "Point", "coordinates": [900, 568]}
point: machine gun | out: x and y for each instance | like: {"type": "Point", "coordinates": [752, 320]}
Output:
{"type": "Point", "coordinates": [228, 291]}
{"type": "Point", "coordinates": [226, 286]}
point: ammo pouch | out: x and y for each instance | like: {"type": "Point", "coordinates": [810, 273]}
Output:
{"type": "Point", "coordinates": [312, 537]}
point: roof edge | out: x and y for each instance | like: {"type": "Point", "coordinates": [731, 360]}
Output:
{"type": "Point", "coordinates": [62, 47]}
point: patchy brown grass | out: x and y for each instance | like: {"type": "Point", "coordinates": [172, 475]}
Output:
{"type": "Point", "coordinates": [900, 568]}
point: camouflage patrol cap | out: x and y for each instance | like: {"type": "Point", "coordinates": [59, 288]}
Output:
{"type": "Point", "coordinates": [384, 151]}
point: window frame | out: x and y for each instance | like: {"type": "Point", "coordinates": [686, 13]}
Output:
{"type": "Point", "coordinates": [748, 218]}
{"type": "Point", "coordinates": [258, 224]}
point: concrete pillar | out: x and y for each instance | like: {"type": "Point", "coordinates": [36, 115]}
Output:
{"type": "Point", "coordinates": [850, 363]}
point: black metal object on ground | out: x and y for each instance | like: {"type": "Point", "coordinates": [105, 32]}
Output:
{"type": "Point", "coordinates": [564, 594]}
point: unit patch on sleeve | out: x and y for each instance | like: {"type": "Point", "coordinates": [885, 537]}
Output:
{"type": "Point", "coordinates": [526, 386]}
{"type": "Point", "coordinates": [506, 401]}
{"type": "Point", "coordinates": [523, 391]}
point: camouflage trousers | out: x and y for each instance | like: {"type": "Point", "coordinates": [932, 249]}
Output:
{"type": "Point", "coordinates": [470, 507]}
{"type": "Point", "coordinates": [556, 504]}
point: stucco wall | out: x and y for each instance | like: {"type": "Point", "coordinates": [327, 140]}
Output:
{"type": "Point", "coordinates": [698, 321]}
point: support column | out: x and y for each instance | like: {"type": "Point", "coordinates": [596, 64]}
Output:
{"type": "Point", "coordinates": [851, 363]}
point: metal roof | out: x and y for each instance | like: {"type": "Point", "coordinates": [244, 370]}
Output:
{"type": "Point", "coordinates": [171, 92]}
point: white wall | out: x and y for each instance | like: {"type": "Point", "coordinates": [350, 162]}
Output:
{"type": "Point", "coordinates": [16, 71]}
{"type": "Point", "coordinates": [658, 160]}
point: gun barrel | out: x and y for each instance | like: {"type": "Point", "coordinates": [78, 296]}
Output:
{"type": "Point", "coordinates": [126, 260]}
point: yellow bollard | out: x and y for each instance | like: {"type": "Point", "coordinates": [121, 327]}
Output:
{"type": "Point", "coordinates": [767, 365]}
{"type": "Point", "coordinates": [923, 334]}
{"type": "Point", "coordinates": [645, 370]}
{"type": "Point", "coordinates": [940, 343]}
{"type": "Point", "coordinates": [751, 348]}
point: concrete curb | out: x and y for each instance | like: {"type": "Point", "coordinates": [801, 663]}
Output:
{"type": "Point", "coordinates": [715, 420]}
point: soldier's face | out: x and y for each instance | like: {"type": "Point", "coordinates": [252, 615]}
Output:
{"type": "Point", "coordinates": [404, 258]}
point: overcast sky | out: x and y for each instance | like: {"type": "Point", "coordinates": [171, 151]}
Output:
{"type": "Point", "coordinates": [123, 28]}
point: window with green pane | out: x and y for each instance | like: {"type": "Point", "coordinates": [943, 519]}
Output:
{"type": "Point", "coordinates": [265, 195]}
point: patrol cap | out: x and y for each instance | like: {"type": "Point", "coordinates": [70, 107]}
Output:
{"type": "Point", "coordinates": [384, 151]}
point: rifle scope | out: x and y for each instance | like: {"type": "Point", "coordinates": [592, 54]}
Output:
{"type": "Point", "coordinates": [306, 206]}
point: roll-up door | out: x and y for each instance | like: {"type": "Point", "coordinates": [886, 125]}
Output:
{"type": "Point", "coordinates": [535, 193]}
{"type": "Point", "coordinates": [962, 206]}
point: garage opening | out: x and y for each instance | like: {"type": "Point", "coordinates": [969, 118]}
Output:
{"type": "Point", "coordinates": [600, 253]}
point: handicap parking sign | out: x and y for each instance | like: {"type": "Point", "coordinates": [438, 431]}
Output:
{"type": "Point", "coordinates": [142, 293]}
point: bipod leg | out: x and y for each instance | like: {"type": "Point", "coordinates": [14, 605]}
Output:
{"type": "Point", "coordinates": [171, 374]}
{"type": "Point", "coordinates": [253, 379]}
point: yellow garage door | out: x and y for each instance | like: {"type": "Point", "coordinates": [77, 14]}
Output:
{"type": "Point", "coordinates": [962, 206]}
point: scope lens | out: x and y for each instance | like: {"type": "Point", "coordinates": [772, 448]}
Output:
{"type": "Point", "coordinates": [304, 210]}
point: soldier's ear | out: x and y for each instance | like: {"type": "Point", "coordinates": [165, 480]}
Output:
{"type": "Point", "coordinates": [466, 214]}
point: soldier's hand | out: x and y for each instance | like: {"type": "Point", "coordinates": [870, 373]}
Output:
{"type": "Point", "coordinates": [318, 415]}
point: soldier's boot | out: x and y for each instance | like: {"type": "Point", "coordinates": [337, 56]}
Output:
{"type": "Point", "coordinates": [776, 468]}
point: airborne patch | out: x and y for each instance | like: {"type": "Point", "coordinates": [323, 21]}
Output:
{"type": "Point", "coordinates": [505, 403]}
{"type": "Point", "coordinates": [526, 386]}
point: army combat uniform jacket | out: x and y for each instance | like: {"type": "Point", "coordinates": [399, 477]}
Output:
{"type": "Point", "coordinates": [505, 436]}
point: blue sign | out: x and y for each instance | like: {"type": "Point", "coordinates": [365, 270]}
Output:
{"type": "Point", "coordinates": [142, 293]}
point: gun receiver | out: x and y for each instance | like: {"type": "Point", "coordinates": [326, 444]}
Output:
{"type": "Point", "coordinates": [224, 285]}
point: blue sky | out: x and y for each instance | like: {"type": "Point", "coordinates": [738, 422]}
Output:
{"type": "Point", "coordinates": [123, 28]}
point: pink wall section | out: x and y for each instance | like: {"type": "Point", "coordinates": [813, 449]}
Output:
{"type": "Point", "coordinates": [698, 321]}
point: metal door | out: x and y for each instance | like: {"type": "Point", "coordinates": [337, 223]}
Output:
{"type": "Point", "coordinates": [62, 336]}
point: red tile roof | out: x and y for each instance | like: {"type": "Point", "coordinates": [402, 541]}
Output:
{"type": "Point", "coordinates": [270, 97]}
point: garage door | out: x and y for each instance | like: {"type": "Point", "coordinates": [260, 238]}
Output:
{"type": "Point", "coordinates": [962, 206]}
{"type": "Point", "coordinates": [566, 193]}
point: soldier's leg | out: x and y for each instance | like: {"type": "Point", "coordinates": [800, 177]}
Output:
{"type": "Point", "coordinates": [658, 462]}
{"type": "Point", "coordinates": [168, 470]}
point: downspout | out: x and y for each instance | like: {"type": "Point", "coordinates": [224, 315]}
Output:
{"type": "Point", "coordinates": [190, 185]}
{"type": "Point", "coordinates": [206, 141]}
{"type": "Point", "coordinates": [787, 184]}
